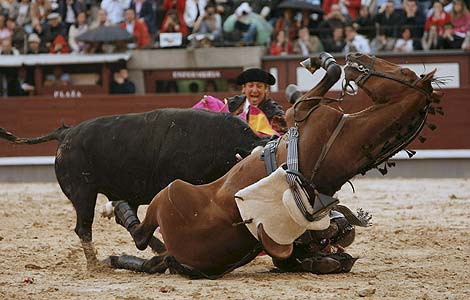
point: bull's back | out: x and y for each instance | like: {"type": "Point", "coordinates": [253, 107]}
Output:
{"type": "Point", "coordinates": [134, 156]}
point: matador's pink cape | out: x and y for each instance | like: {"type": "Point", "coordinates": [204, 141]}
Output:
{"type": "Point", "coordinates": [256, 118]}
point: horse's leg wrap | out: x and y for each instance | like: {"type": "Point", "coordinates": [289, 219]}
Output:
{"type": "Point", "coordinates": [176, 267]}
{"type": "Point", "coordinates": [127, 262]}
{"type": "Point", "coordinates": [155, 265]}
{"type": "Point", "coordinates": [157, 245]}
{"type": "Point", "coordinates": [125, 215]}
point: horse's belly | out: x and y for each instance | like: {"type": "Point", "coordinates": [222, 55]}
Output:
{"type": "Point", "coordinates": [209, 246]}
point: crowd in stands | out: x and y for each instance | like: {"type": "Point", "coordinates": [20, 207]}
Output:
{"type": "Point", "coordinates": [52, 26]}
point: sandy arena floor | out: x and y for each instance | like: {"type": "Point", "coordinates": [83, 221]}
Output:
{"type": "Point", "coordinates": [418, 248]}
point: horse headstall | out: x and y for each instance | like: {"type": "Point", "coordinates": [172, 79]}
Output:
{"type": "Point", "coordinates": [368, 70]}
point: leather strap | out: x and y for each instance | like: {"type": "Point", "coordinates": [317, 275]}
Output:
{"type": "Point", "coordinates": [269, 155]}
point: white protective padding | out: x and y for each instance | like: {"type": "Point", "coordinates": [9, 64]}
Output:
{"type": "Point", "coordinates": [267, 201]}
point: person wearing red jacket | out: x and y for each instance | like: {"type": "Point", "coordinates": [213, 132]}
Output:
{"type": "Point", "coordinates": [137, 28]}
{"type": "Point", "coordinates": [352, 7]}
{"type": "Point", "coordinates": [170, 6]}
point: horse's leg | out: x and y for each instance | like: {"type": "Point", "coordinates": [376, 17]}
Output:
{"type": "Point", "coordinates": [126, 216]}
{"type": "Point", "coordinates": [142, 233]}
{"type": "Point", "coordinates": [154, 265]}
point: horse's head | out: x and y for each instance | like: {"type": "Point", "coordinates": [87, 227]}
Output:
{"type": "Point", "coordinates": [402, 100]}
{"type": "Point", "coordinates": [384, 81]}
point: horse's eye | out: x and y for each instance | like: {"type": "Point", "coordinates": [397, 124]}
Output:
{"type": "Point", "coordinates": [422, 75]}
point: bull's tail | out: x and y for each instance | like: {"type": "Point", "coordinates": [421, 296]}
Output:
{"type": "Point", "coordinates": [57, 134]}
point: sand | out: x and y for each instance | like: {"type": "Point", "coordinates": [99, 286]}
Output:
{"type": "Point", "coordinates": [418, 248]}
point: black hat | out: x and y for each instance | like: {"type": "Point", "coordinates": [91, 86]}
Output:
{"type": "Point", "coordinates": [235, 102]}
{"type": "Point", "coordinates": [255, 75]}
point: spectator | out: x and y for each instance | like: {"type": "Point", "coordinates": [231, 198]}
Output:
{"type": "Point", "coordinates": [58, 78]}
{"type": "Point", "coordinates": [382, 42]}
{"type": "Point", "coordinates": [171, 23]}
{"type": "Point", "coordinates": [53, 29]}
{"type": "Point", "coordinates": [209, 22]}
{"type": "Point", "coordinates": [211, 86]}
{"type": "Point", "coordinates": [192, 10]}
{"type": "Point", "coordinates": [336, 43]}
{"type": "Point", "coordinates": [466, 42]}
{"type": "Point", "coordinates": [8, 76]}
{"type": "Point", "coordinates": [287, 23]}
{"type": "Point", "coordinates": [354, 41]}
{"type": "Point", "coordinates": [332, 20]}
{"type": "Point", "coordinates": [255, 89]}
{"type": "Point", "coordinates": [307, 44]}
{"type": "Point", "coordinates": [364, 23]}
{"type": "Point", "coordinates": [460, 18]}
{"type": "Point", "coordinates": [144, 11]}
{"type": "Point", "coordinates": [5, 33]}
{"type": "Point", "coordinates": [20, 84]}
{"type": "Point", "coordinates": [247, 27]}
{"type": "Point", "coordinates": [69, 10]}
{"type": "Point", "coordinates": [414, 18]}
{"type": "Point", "coordinates": [137, 28]}
{"type": "Point", "coordinates": [309, 20]}
{"type": "Point", "coordinates": [281, 45]}
{"type": "Point", "coordinates": [22, 15]}
{"type": "Point", "coordinates": [405, 43]}
{"type": "Point", "coordinates": [40, 9]}
{"type": "Point", "coordinates": [59, 46]}
{"type": "Point", "coordinates": [77, 29]}
{"type": "Point", "coordinates": [38, 29]}
{"type": "Point", "coordinates": [430, 38]}
{"type": "Point", "coordinates": [7, 48]}
{"type": "Point", "coordinates": [18, 35]}
{"type": "Point", "coordinates": [348, 7]}
{"type": "Point", "coordinates": [439, 17]}
{"type": "Point", "coordinates": [7, 7]}
{"type": "Point", "coordinates": [174, 18]}
{"type": "Point", "coordinates": [34, 45]}
{"type": "Point", "coordinates": [101, 20]}
{"type": "Point", "coordinates": [389, 19]}
{"type": "Point", "coordinates": [115, 9]}
{"type": "Point", "coordinates": [120, 83]}
{"type": "Point", "coordinates": [449, 40]}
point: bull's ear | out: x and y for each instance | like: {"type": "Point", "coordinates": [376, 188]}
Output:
{"type": "Point", "coordinates": [430, 75]}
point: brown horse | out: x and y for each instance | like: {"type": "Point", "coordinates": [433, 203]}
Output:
{"type": "Point", "coordinates": [203, 230]}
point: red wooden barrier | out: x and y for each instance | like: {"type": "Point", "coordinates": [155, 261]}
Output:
{"type": "Point", "coordinates": [34, 116]}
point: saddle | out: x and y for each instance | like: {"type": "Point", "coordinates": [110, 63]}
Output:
{"type": "Point", "coordinates": [270, 213]}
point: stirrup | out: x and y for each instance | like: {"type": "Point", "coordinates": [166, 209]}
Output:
{"type": "Point", "coordinates": [322, 204]}
{"type": "Point", "coordinates": [125, 215]}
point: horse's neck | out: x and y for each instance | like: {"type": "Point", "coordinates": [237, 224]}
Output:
{"type": "Point", "coordinates": [314, 134]}
{"type": "Point", "coordinates": [362, 135]}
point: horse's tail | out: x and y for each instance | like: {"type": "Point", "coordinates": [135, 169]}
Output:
{"type": "Point", "coordinates": [57, 134]}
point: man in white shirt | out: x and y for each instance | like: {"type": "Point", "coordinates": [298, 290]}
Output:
{"type": "Point", "coordinates": [115, 9]}
{"type": "Point", "coordinates": [354, 41]}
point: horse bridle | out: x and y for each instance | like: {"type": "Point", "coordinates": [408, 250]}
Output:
{"type": "Point", "coordinates": [368, 70]}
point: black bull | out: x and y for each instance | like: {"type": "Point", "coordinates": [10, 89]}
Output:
{"type": "Point", "coordinates": [132, 157]}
